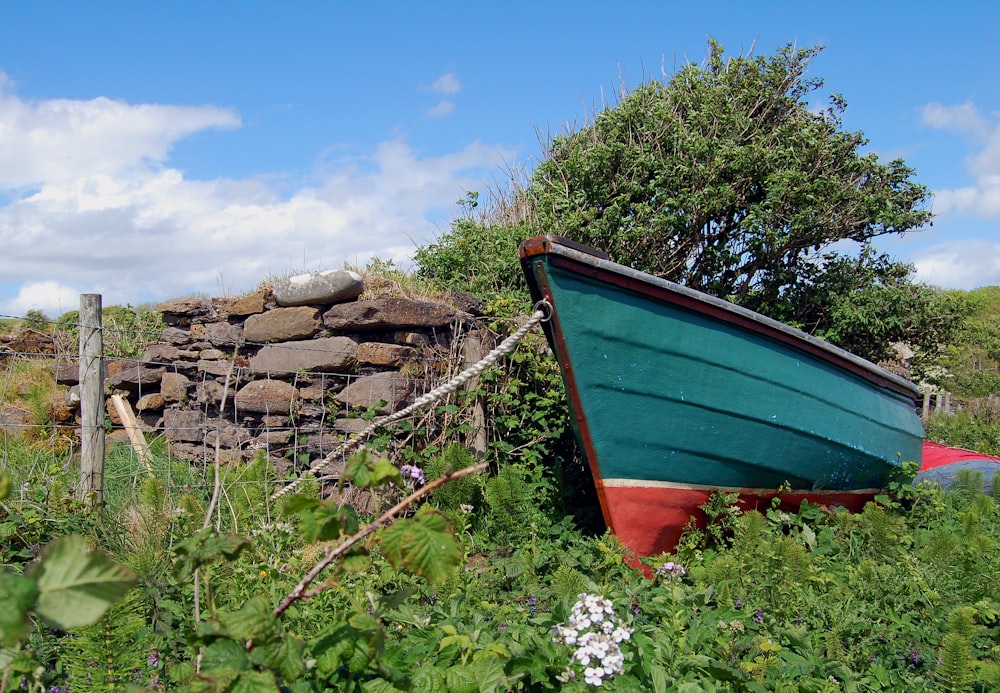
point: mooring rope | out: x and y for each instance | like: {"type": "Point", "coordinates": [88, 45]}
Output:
{"type": "Point", "coordinates": [543, 310]}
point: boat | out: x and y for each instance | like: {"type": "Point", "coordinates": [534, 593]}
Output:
{"type": "Point", "coordinates": [675, 394]}
{"type": "Point", "coordinates": [943, 463]}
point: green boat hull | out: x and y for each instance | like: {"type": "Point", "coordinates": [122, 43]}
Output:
{"type": "Point", "coordinates": [676, 390]}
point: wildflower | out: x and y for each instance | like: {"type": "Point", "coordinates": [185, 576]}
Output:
{"type": "Point", "coordinates": [154, 660]}
{"type": "Point", "coordinates": [410, 472]}
{"type": "Point", "coordinates": [597, 635]}
{"type": "Point", "coordinates": [466, 508]}
{"type": "Point", "coordinates": [915, 659]}
{"type": "Point", "coordinates": [593, 675]}
{"type": "Point", "coordinates": [670, 571]}
{"type": "Point", "coordinates": [738, 604]}
{"type": "Point", "coordinates": [759, 616]}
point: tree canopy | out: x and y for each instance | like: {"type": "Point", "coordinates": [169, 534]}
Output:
{"type": "Point", "coordinates": [725, 179]}
{"type": "Point", "coordinates": [730, 179]}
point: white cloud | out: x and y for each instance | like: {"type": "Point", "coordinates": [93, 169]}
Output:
{"type": "Point", "coordinates": [134, 229]}
{"type": "Point", "coordinates": [964, 119]}
{"type": "Point", "coordinates": [52, 298]}
{"type": "Point", "coordinates": [982, 199]}
{"type": "Point", "coordinates": [447, 84]}
{"type": "Point", "coordinates": [57, 140]}
{"type": "Point", "coordinates": [442, 109]}
{"type": "Point", "coordinates": [960, 264]}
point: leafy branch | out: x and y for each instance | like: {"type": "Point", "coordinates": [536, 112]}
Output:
{"type": "Point", "coordinates": [301, 590]}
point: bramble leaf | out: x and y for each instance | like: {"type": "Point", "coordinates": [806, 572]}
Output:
{"type": "Point", "coordinates": [424, 545]}
{"type": "Point", "coordinates": [285, 656]}
{"type": "Point", "coordinates": [255, 621]}
{"type": "Point", "coordinates": [360, 470]}
{"type": "Point", "coordinates": [76, 585]}
{"type": "Point", "coordinates": [18, 595]}
{"type": "Point", "coordinates": [204, 547]}
{"type": "Point", "coordinates": [386, 471]}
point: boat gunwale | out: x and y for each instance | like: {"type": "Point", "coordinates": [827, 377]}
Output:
{"type": "Point", "coordinates": [587, 262]}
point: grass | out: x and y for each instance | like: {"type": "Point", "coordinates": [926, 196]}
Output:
{"type": "Point", "coordinates": [903, 596]}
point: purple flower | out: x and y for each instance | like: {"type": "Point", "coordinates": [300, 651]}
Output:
{"type": "Point", "coordinates": [415, 473]}
{"type": "Point", "coordinates": [738, 604]}
{"type": "Point", "coordinates": [759, 616]}
{"type": "Point", "coordinates": [670, 570]}
{"type": "Point", "coordinates": [915, 659]}
{"type": "Point", "coordinates": [154, 660]}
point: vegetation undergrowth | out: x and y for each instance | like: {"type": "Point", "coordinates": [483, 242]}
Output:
{"type": "Point", "coordinates": [903, 596]}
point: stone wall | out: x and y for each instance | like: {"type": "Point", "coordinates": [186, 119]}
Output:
{"type": "Point", "coordinates": [302, 366]}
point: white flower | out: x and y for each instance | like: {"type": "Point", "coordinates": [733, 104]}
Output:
{"type": "Point", "coordinates": [593, 676]}
{"type": "Point", "coordinates": [621, 634]}
{"type": "Point", "coordinates": [595, 632]}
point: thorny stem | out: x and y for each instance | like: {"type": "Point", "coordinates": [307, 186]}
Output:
{"type": "Point", "coordinates": [301, 592]}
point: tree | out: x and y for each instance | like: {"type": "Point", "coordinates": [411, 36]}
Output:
{"type": "Point", "coordinates": [973, 360]}
{"type": "Point", "coordinates": [727, 179]}
{"type": "Point", "coordinates": [724, 179]}
{"type": "Point", "coordinates": [868, 303]}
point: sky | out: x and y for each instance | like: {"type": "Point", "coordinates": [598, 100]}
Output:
{"type": "Point", "coordinates": [157, 150]}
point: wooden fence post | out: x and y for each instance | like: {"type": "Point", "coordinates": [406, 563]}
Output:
{"type": "Point", "coordinates": [91, 401]}
{"type": "Point", "coordinates": [472, 353]}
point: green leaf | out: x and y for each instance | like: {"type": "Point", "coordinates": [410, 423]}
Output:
{"type": "Point", "coordinates": [424, 545]}
{"type": "Point", "coordinates": [429, 680]}
{"type": "Point", "coordinates": [255, 621]}
{"type": "Point", "coordinates": [225, 654]}
{"type": "Point", "coordinates": [489, 674]}
{"type": "Point", "coordinates": [204, 547]}
{"type": "Point", "coordinates": [18, 595]}
{"type": "Point", "coordinates": [5, 485]}
{"type": "Point", "coordinates": [379, 686]}
{"type": "Point", "coordinates": [321, 523]}
{"type": "Point", "coordinates": [332, 648]}
{"type": "Point", "coordinates": [461, 679]}
{"type": "Point", "coordinates": [285, 656]}
{"type": "Point", "coordinates": [386, 471]}
{"type": "Point", "coordinates": [254, 682]}
{"type": "Point", "coordinates": [76, 586]}
{"type": "Point", "coordinates": [297, 503]}
{"type": "Point", "coordinates": [356, 560]}
{"type": "Point", "coordinates": [360, 470]}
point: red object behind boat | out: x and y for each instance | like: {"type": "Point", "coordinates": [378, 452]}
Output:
{"type": "Point", "coordinates": [941, 463]}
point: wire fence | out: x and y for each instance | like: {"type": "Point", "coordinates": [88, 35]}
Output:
{"type": "Point", "coordinates": [198, 404]}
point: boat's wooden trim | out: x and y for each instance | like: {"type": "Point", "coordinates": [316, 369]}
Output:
{"type": "Point", "coordinates": [587, 262]}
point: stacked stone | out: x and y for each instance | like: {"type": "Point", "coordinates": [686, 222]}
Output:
{"type": "Point", "coordinates": [305, 364]}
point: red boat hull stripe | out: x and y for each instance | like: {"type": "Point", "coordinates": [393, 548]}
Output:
{"type": "Point", "coordinates": [649, 516]}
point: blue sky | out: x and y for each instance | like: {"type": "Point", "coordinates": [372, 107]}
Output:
{"type": "Point", "coordinates": [156, 150]}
